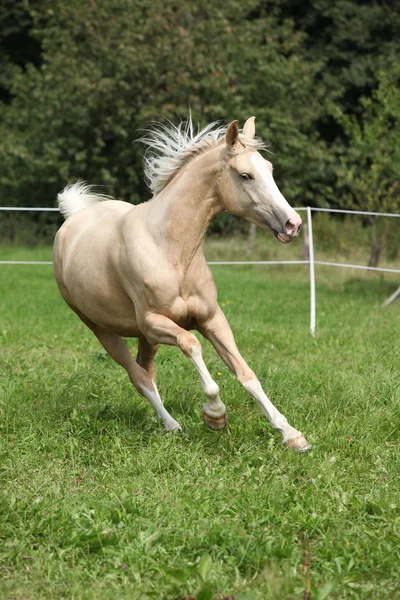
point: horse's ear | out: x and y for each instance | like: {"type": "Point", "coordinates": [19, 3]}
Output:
{"type": "Point", "coordinates": [232, 134]}
{"type": "Point", "coordinates": [249, 129]}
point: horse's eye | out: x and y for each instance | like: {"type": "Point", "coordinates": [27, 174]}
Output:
{"type": "Point", "coordinates": [246, 176]}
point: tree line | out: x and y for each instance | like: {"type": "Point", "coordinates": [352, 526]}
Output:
{"type": "Point", "coordinates": [80, 79]}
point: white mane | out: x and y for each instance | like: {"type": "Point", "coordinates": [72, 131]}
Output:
{"type": "Point", "coordinates": [170, 147]}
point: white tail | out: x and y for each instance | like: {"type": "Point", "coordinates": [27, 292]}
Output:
{"type": "Point", "coordinates": [76, 196]}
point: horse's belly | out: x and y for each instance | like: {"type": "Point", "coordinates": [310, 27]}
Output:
{"type": "Point", "coordinates": [102, 305]}
{"type": "Point", "coordinates": [112, 312]}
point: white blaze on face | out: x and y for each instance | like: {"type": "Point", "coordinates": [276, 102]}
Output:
{"type": "Point", "coordinates": [275, 197]}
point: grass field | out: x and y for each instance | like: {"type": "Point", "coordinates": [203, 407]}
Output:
{"type": "Point", "coordinates": [97, 502]}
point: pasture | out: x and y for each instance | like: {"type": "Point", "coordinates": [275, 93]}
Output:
{"type": "Point", "coordinates": [98, 502]}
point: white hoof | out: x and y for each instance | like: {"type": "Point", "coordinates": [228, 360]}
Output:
{"type": "Point", "coordinates": [172, 425]}
{"type": "Point", "coordinates": [298, 443]}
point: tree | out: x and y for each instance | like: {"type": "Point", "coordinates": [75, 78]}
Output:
{"type": "Point", "coordinates": [17, 47]}
{"type": "Point", "coordinates": [109, 68]}
{"type": "Point", "coordinates": [369, 169]}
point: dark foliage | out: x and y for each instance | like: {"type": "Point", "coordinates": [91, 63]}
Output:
{"type": "Point", "coordinates": [79, 79]}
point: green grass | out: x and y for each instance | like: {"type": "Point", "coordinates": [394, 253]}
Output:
{"type": "Point", "coordinates": [97, 502]}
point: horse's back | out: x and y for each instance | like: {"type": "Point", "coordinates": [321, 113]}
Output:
{"type": "Point", "coordinates": [108, 211]}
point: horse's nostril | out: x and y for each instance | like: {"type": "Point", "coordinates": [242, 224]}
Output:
{"type": "Point", "coordinates": [290, 228]}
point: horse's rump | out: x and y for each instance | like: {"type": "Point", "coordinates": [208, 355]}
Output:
{"type": "Point", "coordinates": [83, 258]}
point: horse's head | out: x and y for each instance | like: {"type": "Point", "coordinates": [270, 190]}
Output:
{"type": "Point", "coordinates": [247, 187]}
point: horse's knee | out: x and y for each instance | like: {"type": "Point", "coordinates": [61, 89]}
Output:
{"type": "Point", "coordinates": [246, 376]}
{"type": "Point", "coordinates": [187, 342]}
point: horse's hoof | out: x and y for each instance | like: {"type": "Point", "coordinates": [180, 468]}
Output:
{"type": "Point", "coordinates": [172, 426]}
{"type": "Point", "coordinates": [299, 444]}
{"type": "Point", "coordinates": [215, 423]}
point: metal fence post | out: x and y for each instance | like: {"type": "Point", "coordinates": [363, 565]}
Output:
{"type": "Point", "coordinates": [312, 273]}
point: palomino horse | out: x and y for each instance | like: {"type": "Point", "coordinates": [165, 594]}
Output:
{"type": "Point", "coordinates": [139, 271]}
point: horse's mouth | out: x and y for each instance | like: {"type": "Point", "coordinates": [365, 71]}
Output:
{"type": "Point", "coordinates": [283, 237]}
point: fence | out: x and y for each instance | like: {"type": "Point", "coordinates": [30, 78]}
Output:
{"type": "Point", "coordinates": [311, 262]}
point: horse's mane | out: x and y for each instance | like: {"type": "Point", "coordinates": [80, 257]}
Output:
{"type": "Point", "coordinates": [170, 147]}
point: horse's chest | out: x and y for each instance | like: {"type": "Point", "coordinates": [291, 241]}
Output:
{"type": "Point", "coordinates": [182, 298]}
{"type": "Point", "coordinates": [195, 302]}
{"type": "Point", "coordinates": [185, 311]}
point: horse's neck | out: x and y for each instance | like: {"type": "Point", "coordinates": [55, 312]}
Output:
{"type": "Point", "coordinates": [181, 214]}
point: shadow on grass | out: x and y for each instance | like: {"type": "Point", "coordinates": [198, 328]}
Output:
{"type": "Point", "coordinates": [379, 288]}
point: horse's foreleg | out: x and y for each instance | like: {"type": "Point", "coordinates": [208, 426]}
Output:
{"type": "Point", "coordinates": [160, 329]}
{"type": "Point", "coordinates": [141, 379]}
{"type": "Point", "coordinates": [218, 332]}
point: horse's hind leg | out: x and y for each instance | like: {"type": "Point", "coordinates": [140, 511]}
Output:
{"type": "Point", "coordinates": [145, 357]}
{"type": "Point", "coordinates": [141, 379]}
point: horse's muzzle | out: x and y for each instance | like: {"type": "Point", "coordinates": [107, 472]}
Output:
{"type": "Point", "coordinates": [292, 229]}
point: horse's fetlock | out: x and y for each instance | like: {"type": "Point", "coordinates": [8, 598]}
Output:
{"type": "Point", "coordinates": [211, 389]}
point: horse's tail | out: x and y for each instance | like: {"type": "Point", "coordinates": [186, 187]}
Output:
{"type": "Point", "coordinates": [76, 196]}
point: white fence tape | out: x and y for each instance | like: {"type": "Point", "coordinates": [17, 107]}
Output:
{"type": "Point", "coordinates": [312, 262]}
{"type": "Point", "coordinates": [29, 209]}
{"type": "Point", "coordinates": [348, 266]}
{"type": "Point", "coordinates": [259, 262]}
{"type": "Point", "coordinates": [26, 262]}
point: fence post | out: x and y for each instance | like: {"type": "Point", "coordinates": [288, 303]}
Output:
{"type": "Point", "coordinates": [312, 273]}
